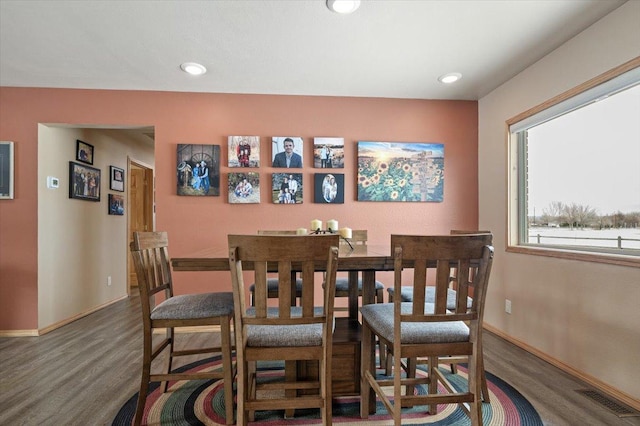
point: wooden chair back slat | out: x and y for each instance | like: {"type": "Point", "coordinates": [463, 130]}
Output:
{"type": "Point", "coordinates": [150, 254]}
{"type": "Point", "coordinates": [286, 254]}
{"type": "Point", "coordinates": [435, 256]}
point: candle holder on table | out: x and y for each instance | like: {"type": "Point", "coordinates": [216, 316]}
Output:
{"type": "Point", "coordinates": [332, 231]}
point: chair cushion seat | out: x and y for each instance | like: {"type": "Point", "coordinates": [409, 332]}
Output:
{"type": "Point", "coordinates": [342, 284]}
{"type": "Point", "coordinates": [272, 285]}
{"type": "Point", "coordinates": [379, 316]}
{"type": "Point", "coordinates": [406, 293]}
{"type": "Point", "coordinates": [194, 306]}
{"type": "Point", "coordinates": [285, 335]}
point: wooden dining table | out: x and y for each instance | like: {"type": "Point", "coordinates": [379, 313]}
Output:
{"type": "Point", "coordinates": [364, 259]}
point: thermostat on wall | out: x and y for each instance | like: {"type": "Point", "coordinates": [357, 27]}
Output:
{"type": "Point", "coordinates": [53, 182]}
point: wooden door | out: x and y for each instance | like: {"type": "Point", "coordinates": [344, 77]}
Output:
{"type": "Point", "coordinates": [140, 207]}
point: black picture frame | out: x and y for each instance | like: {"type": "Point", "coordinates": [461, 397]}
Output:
{"type": "Point", "coordinates": [84, 182]}
{"type": "Point", "coordinates": [84, 152]}
{"type": "Point", "coordinates": [116, 182]}
{"type": "Point", "coordinates": [6, 170]}
{"type": "Point", "coordinates": [116, 204]}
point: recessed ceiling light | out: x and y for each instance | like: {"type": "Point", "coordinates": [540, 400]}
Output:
{"type": "Point", "coordinates": [343, 6]}
{"type": "Point", "coordinates": [193, 68]}
{"type": "Point", "coordinates": [452, 77]}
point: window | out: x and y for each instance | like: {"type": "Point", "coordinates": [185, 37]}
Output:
{"type": "Point", "coordinates": [575, 161]}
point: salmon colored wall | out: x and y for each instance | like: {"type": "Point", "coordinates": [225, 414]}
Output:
{"type": "Point", "coordinates": [195, 223]}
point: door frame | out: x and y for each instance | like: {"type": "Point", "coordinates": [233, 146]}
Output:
{"type": "Point", "coordinates": [150, 199]}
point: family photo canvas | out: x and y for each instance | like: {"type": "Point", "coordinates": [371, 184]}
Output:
{"type": "Point", "coordinates": [198, 170]}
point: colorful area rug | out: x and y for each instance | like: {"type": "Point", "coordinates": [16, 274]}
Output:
{"type": "Point", "coordinates": [201, 402]}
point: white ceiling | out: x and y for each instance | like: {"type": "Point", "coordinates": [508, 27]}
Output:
{"type": "Point", "coordinates": [388, 48]}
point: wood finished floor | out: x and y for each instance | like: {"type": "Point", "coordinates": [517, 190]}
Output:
{"type": "Point", "coordinates": [82, 373]}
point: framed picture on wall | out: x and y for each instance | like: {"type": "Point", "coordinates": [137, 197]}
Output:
{"type": "Point", "coordinates": [116, 204]}
{"type": "Point", "coordinates": [117, 178]}
{"type": "Point", "coordinates": [328, 153]}
{"type": "Point", "coordinates": [244, 151]}
{"type": "Point", "coordinates": [287, 188]}
{"type": "Point", "coordinates": [6, 170]}
{"type": "Point", "coordinates": [244, 188]}
{"type": "Point", "coordinates": [287, 151]}
{"type": "Point", "coordinates": [84, 182]}
{"type": "Point", "coordinates": [198, 168]}
{"type": "Point", "coordinates": [84, 152]}
{"type": "Point", "coordinates": [328, 188]}
{"type": "Point", "coordinates": [400, 171]}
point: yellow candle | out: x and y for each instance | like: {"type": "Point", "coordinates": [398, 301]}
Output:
{"type": "Point", "coordinates": [333, 225]}
{"type": "Point", "coordinates": [346, 233]}
{"type": "Point", "coordinates": [301, 231]}
{"type": "Point", "coordinates": [316, 224]}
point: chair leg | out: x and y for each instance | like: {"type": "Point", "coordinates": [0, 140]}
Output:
{"type": "Point", "coordinates": [325, 391]}
{"type": "Point", "coordinates": [433, 382]}
{"type": "Point", "coordinates": [411, 373]}
{"type": "Point", "coordinates": [483, 374]}
{"type": "Point", "coordinates": [397, 386]}
{"type": "Point", "coordinates": [227, 365]}
{"type": "Point", "coordinates": [169, 361]}
{"type": "Point", "coordinates": [144, 380]}
{"type": "Point", "coordinates": [242, 390]}
{"type": "Point", "coordinates": [366, 366]}
{"type": "Point", "coordinates": [251, 385]}
{"type": "Point", "coordinates": [475, 380]}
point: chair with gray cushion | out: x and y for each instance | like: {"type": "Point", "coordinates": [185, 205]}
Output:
{"type": "Point", "coordinates": [422, 330]}
{"type": "Point", "coordinates": [284, 333]}
{"type": "Point", "coordinates": [162, 309]}
{"type": "Point", "coordinates": [407, 296]}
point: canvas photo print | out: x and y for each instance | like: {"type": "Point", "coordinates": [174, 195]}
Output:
{"type": "Point", "coordinates": [400, 172]}
{"type": "Point", "coordinates": [244, 151]}
{"type": "Point", "coordinates": [287, 152]}
{"type": "Point", "coordinates": [328, 188]}
{"type": "Point", "coordinates": [244, 188]}
{"type": "Point", "coordinates": [198, 170]}
{"type": "Point", "coordinates": [287, 188]}
{"type": "Point", "coordinates": [328, 153]}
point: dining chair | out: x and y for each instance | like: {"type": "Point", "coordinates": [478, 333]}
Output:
{"type": "Point", "coordinates": [418, 329]}
{"type": "Point", "coordinates": [406, 293]}
{"type": "Point", "coordinates": [272, 283]}
{"type": "Point", "coordinates": [162, 309]}
{"type": "Point", "coordinates": [284, 332]}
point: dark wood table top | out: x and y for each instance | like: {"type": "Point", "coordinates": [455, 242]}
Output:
{"type": "Point", "coordinates": [361, 258]}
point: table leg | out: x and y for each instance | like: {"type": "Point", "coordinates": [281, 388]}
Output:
{"type": "Point", "coordinates": [353, 295]}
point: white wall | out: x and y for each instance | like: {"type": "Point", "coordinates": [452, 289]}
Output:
{"type": "Point", "coordinates": [79, 244]}
{"type": "Point", "coordinates": [578, 314]}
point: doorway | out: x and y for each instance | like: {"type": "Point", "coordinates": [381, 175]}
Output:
{"type": "Point", "coordinates": [141, 208]}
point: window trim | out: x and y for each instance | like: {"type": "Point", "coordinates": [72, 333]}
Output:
{"type": "Point", "coordinates": [516, 180]}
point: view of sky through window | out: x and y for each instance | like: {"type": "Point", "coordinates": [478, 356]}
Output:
{"type": "Point", "coordinates": [590, 157]}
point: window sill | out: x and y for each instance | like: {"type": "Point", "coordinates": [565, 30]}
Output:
{"type": "Point", "coordinates": [584, 256]}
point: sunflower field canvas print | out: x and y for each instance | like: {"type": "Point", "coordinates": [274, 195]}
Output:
{"type": "Point", "coordinates": [397, 171]}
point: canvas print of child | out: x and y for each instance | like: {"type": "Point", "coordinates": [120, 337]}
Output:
{"type": "Point", "coordinates": [244, 151]}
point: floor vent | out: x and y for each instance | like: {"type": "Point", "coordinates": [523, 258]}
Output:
{"type": "Point", "coordinates": [610, 404]}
